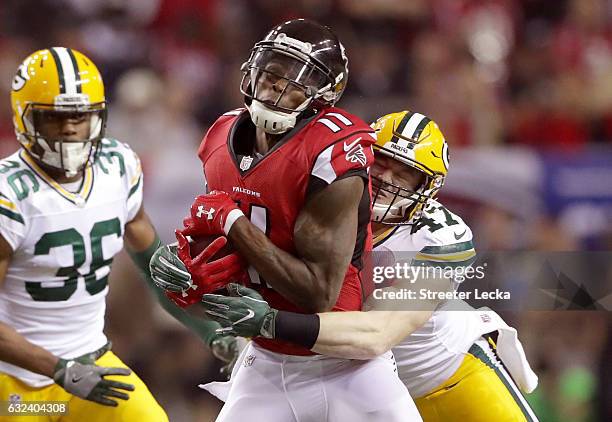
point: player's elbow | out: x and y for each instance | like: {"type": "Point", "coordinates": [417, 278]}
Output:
{"type": "Point", "coordinates": [319, 304]}
{"type": "Point", "coordinates": [324, 300]}
{"type": "Point", "coordinates": [373, 351]}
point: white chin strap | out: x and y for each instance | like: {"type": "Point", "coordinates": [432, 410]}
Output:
{"type": "Point", "coordinates": [271, 121]}
{"type": "Point", "coordinates": [74, 155]}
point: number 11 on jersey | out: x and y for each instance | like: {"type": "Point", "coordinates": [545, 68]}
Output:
{"type": "Point", "coordinates": [260, 218]}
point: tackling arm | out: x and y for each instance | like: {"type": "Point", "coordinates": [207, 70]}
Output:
{"type": "Point", "coordinates": [350, 335]}
{"type": "Point", "coordinates": [324, 237]}
{"type": "Point", "coordinates": [365, 335]}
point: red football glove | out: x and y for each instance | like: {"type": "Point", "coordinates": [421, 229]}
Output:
{"type": "Point", "coordinates": [206, 276]}
{"type": "Point", "coordinates": [211, 214]}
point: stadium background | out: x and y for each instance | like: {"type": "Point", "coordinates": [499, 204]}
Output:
{"type": "Point", "coordinates": [521, 89]}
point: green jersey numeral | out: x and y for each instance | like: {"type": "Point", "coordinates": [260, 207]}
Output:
{"type": "Point", "coordinates": [71, 274]}
{"type": "Point", "coordinates": [18, 181]}
{"type": "Point", "coordinates": [8, 165]}
{"type": "Point", "coordinates": [431, 225]}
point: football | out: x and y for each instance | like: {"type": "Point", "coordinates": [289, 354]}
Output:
{"type": "Point", "coordinates": [199, 243]}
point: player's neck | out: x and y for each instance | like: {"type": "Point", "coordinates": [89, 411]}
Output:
{"type": "Point", "coordinates": [60, 176]}
{"type": "Point", "coordinates": [265, 141]}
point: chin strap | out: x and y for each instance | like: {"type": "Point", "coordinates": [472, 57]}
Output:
{"type": "Point", "coordinates": [271, 121]}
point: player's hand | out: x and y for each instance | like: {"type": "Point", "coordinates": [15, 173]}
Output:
{"type": "Point", "coordinates": [225, 348]}
{"type": "Point", "coordinates": [211, 214]}
{"type": "Point", "coordinates": [245, 313]}
{"type": "Point", "coordinates": [204, 275]}
{"type": "Point", "coordinates": [170, 274]}
{"type": "Point", "coordinates": [88, 382]}
{"type": "Point", "coordinates": [168, 271]}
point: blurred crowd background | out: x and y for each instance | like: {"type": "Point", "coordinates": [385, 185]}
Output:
{"type": "Point", "coordinates": [522, 90]}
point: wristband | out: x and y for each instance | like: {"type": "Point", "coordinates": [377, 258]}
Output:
{"type": "Point", "coordinates": [302, 329]}
{"type": "Point", "coordinates": [233, 215]}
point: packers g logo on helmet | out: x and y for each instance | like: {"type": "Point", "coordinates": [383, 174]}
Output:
{"type": "Point", "coordinates": [58, 82]}
{"type": "Point", "coordinates": [415, 141]}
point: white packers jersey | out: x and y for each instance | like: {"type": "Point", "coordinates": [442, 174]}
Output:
{"type": "Point", "coordinates": [64, 243]}
{"type": "Point", "coordinates": [430, 355]}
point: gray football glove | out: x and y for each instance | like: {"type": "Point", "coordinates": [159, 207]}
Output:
{"type": "Point", "coordinates": [168, 271]}
{"type": "Point", "coordinates": [245, 313]}
{"type": "Point", "coordinates": [86, 380]}
{"type": "Point", "coordinates": [225, 348]}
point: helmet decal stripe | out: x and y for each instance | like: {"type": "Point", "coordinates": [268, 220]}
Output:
{"type": "Point", "coordinates": [75, 67]}
{"type": "Point", "coordinates": [401, 126]}
{"type": "Point", "coordinates": [69, 75]}
{"type": "Point", "coordinates": [60, 70]}
{"type": "Point", "coordinates": [412, 125]}
{"type": "Point", "coordinates": [420, 127]}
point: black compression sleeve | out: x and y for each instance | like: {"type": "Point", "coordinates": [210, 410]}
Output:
{"type": "Point", "coordinates": [302, 329]}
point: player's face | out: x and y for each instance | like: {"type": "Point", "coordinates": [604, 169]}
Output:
{"type": "Point", "coordinates": [281, 81]}
{"type": "Point", "coordinates": [275, 90]}
{"type": "Point", "coordinates": [392, 171]}
{"type": "Point", "coordinates": [65, 126]}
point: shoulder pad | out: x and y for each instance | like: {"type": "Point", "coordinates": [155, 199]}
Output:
{"type": "Point", "coordinates": [338, 121]}
{"type": "Point", "coordinates": [443, 236]}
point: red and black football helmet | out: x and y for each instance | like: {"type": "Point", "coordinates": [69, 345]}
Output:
{"type": "Point", "coordinates": [296, 56]}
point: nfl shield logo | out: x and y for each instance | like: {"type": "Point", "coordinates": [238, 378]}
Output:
{"type": "Point", "coordinates": [245, 163]}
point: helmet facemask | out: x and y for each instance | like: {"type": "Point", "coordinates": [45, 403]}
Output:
{"type": "Point", "coordinates": [281, 80]}
{"type": "Point", "coordinates": [397, 205]}
{"type": "Point", "coordinates": [55, 152]}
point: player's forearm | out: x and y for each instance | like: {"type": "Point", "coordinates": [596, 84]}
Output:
{"type": "Point", "coordinates": [348, 335]}
{"type": "Point", "coordinates": [16, 350]}
{"type": "Point", "coordinates": [364, 335]}
{"type": "Point", "coordinates": [204, 328]}
{"type": "Point", "coordinates": [285, 273]}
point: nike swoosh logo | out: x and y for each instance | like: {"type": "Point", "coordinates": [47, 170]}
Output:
{"type": "Point", "coordinates": [459, 236]}
{"type": "Point", "coordinates": [248, 316]}
{"type": "Point", "coordinates": [348, 147]}
{"type": "Point", "coordinates": [77, 379]}
{"type": "Point", "coordinates": [432, 153]}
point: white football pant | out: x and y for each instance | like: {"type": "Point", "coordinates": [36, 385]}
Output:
{"type": "Point", "coordinates": [270, 387]}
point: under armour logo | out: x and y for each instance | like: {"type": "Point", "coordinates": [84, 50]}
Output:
{"type": "Point", "coordinates": [201, 211]}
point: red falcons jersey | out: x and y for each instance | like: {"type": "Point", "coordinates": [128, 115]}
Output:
{"type": "Point", "coordinates": [271, 190]}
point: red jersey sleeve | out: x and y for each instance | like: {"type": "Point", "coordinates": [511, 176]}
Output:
{"type": "Point", "coordinates": [351, 155]}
